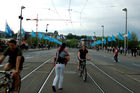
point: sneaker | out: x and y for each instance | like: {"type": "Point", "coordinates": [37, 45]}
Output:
{"type": "Point", "coordinates": [53, 88]}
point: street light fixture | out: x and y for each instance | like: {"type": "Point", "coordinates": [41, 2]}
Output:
{"type": "Point", "coordinates": [47, 27]}
{"type": "Point", "coordinates": [21, 18]}
{"type": "Point", "coordinates": [102, 36]}
{"type": "Point", "coordinates": [125, 36]}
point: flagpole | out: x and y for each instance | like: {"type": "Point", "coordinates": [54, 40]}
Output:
{"type": "Point", "coordinates": [102, 36]}
{"type": "Point", "coordinates": [125, 38]}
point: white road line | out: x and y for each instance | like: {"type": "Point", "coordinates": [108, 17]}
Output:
{"type": "Point", "coordinates": [35, 69]}
{"type": "Point", "coordinates": [93, 80]}
{"type": "Point", "coordinates": [46, 81]}
{"type": "Point", "coordinates": [1, 65]}
{"type": "Point", "coordinates": [136, 64]}
{"type": "Point", "coordinates": [112, 78]}
{"type": "Point", "coordinates": [28, 57]}
{"type": "Point", "coordinates": [95, 83]}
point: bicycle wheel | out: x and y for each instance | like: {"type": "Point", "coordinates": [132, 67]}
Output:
{"type": "Point", "coordinates": [85, 74]}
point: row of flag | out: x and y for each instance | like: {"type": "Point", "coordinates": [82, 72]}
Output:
{"type": "Point", "coordinates": [9, 32]}
{"type": "Point", "coordinates": [113, 38]}
{"type": "Point", "coordinates": [33, 34]}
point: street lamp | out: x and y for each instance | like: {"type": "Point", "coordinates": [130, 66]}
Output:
{"type": "Point", "coordinates": [21, 18]}
{"type": "Point", "coordinates": [125, 10]}
{"type": "Point", "coordinates": [47, 27]}
{"type": "Point", "coordinates": [102, 36]}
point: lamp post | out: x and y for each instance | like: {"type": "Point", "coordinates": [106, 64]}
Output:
{"type": "Point", "coordinates": [21, 18]}
{"type": "Point", "coordinates": [102, 36]}
{"type": "Point", "coordinates": [47, 27]}
{"type": "Point", "coordinates": [125, 36]}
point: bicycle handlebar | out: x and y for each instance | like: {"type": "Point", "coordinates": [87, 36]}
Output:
{"type": "Point", "coordinates": [6, 72]}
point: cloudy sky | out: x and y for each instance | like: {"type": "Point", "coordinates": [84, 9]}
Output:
{"type": "Point", "coordinates": [84, 17]}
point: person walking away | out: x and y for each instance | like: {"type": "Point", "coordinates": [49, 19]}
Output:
{"type": "Point", "coordinates": [135, 52]}
{"type": "Point", "coordinates": [15, 61]}
{"type": "Point", "coordinates": [116, 55]}
{"type": "Point", "coordinates": [61, 59]}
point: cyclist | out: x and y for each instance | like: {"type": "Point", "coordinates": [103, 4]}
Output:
{"type": "Point", "coordinates": [82, 54]}
{"type": "Point", "coordinates": [15, 61]}
{"type": "Point", "coordinates": [61, 59]}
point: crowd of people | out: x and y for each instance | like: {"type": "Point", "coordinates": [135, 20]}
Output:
{"type": "Point", "coordinates": [133, 51]}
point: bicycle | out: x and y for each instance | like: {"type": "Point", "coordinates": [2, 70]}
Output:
{"type": "Point", "coordinates": [83, 70]}
{"type": "Point", "coordinates": [7, 82]}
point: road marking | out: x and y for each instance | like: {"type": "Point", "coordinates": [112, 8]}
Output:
{"type": "Point", "coordinates": [95, 82]}
{"type": "Point", "coordinates": [35, 69]}
{"type": "Point", "coordinates": [136, 64]}
{"type": "Point", "coordinates": [70, 72]}
{"type": "Point", "coordinates": [45, 81]}
{"type": "Point", "coordinates": [111, 77]}
{"type": "Point", "coordinates": [1, 65]}
{"type": "Point", "coordinates": [28, 57]}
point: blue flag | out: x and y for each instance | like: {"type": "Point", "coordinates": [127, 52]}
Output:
{"type": "Point", "coordinates": [50, 39]}
{"type": "Point", "coordinates": [58, 37]}
{"type": "Point", "coordinates": [113, 38]}
{"type": "Point", "coordinates": [99, 42]}
{"type": "Point", "coordinates": [92, 38]}
{"type": "Point", "coordinates": [22, 32]}
{"type": "Point", "coordinates": [96, 43]}
{"type": "Point", "coordinates": [121, 37]}
{"type": "Point", "coordinates": [44, 37]}
{"type": "Point", "coordinates": [109, 39]}
{"type": "Point", "coordinates": [40, 35]}
{"type": "Point", "coordinates": [129, 36]}
{"type": "Point", "coordinates": [104, 41]}
{"type": "Point", "coordinates": [33, 34]}
{"type": "Point", "coordinates": [8, 30]}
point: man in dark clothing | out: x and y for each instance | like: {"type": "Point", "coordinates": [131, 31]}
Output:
{"type": "Point", "coordinates": [15, 61]}
{"type": "Point", "coordinates": [82, 54]}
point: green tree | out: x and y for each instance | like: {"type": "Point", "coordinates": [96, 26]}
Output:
{"type": "Point", "coordinates": [72, 43]}
{"type": "Point", "coordinates": [134, 42]}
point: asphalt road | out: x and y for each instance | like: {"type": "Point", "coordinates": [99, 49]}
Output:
{"type": "Point", "coordinates": [104, 75]}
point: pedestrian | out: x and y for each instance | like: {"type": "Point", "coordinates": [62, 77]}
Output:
{"type": "Point", "coordinates": [121, 49]}
{"type": "Point", "coordinates": [135, 52]}
{"type": "Point", "coordinates": [61, 59]}
{"type": "Point", "coordinates": [116, 55]}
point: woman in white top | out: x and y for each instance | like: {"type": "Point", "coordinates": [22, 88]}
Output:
{"type": "Point", "coordinates": [61, 59]}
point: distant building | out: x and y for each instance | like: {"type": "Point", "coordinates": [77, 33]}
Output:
{"type": "Point", "coordinates": [2, 34]}
{"type": "Point", "coordinates": [86, 41]}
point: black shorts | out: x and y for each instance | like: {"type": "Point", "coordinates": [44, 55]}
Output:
{"type": "Point", "coordinates": [13, 63]}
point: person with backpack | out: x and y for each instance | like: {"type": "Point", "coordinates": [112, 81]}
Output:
{"type": "Point", "coordinates": [61, 59]}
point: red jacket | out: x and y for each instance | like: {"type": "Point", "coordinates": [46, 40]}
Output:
{"type": "Point", "coordinates": [116, 51]}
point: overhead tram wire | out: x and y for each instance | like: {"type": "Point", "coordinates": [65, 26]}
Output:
{"type": "Point", "coordinates": [69, 10]}
{"type": "Point", "coordinates": [84, 6]}
{"type": "Point", "coordinates": [56, 10]}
